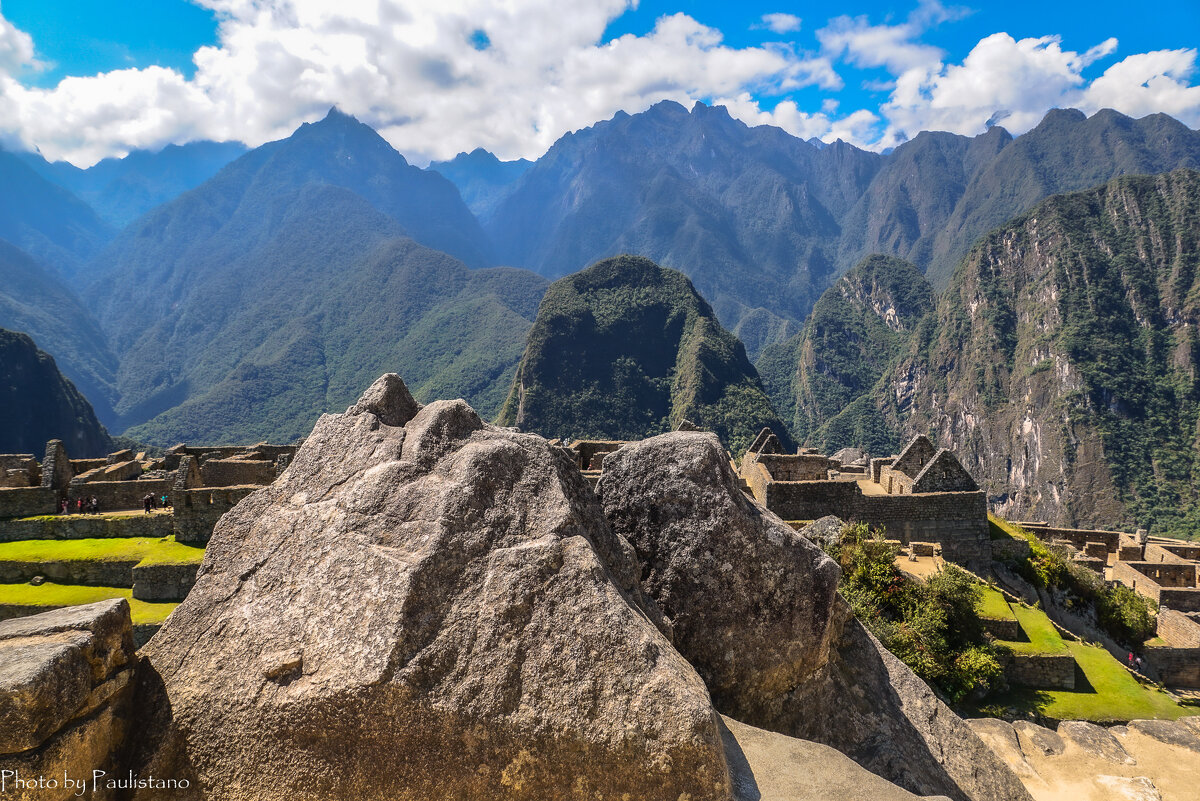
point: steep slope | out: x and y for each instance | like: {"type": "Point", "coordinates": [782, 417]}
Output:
{"type": "Point", "coordinates": [37, 302]}
{"type": "Point", "coordinates": [750, 214]}
{"type": "Point", "coordinates": [297, 338]}
{"type": "Point", "coordinates": [916, 191]}
{"type": "Point", "coordinates": [819, 379]}
{"type": "Point", "coordinates": [123, 189]}
{"type": "Point", "coordinates": [1066, 152]}
{"type": "Point", "coordinates": [45, 220]}
{"type": "Point", "coordinates": [1064, 367]}
{"type": "Point", "coordinates": [482, 179]}
{"type": "Point", "coordinates": [38, 404]}
{"type": "Point", "coordinates": [626, 349]}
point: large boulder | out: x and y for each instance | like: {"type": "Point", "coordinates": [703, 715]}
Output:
{"type": "Point", "coordinates": [751, 602]}
{"type": "Point", "coordinates": [423, 606]}
{"type": "Point", "coordinates": [754, 608]}
{"type": "Point", "coordinates": [65, 690]}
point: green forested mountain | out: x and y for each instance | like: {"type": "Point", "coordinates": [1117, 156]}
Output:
{"type": "Point", "coordinates": [317, 296]}
{"type": "Point", "coordinates": [626, 349]}
{"type": "Point", "coordinates": [38, 404]}
{"type": "Point", "coordinates": [45, 220]}
{"type": "Point", "coordinates": [821, 378]}
{"type": "Point", "coordinates": [1062, 362]}
{"type": "Point", "coordinates": [36, 301]}
{"type": "Point", "coordinates": [122, 189]}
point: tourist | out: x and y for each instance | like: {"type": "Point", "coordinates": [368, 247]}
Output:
{"type": "Point", "coordinates": [1129, 659]}
{"type": "Point", "coordinates": [79, 505]}
{"type": "Point", "coordinates": [166, 501]}
{"type": "Point", "coordinates": [1137, 664]}
{"type": "Point", "coordinates": [63, 507]}
{"type": "Point", "coordinates": [95, 507]}
{"type": "Point", "coordinates": [147, 502]}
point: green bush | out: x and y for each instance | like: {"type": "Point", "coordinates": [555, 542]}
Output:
{"type": "Point", "coordinates": [933, 627]}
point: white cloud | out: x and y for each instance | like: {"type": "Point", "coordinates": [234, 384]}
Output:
{"type": "Point", "coordinates": [1017, 81]}
{"type": "Point", "coordinates": [417, 73]}
{"type": "Point", "coordinates": [780, 23]}
{"type": "Point", "coordinates": [16, 48]}
{"type": "Point", "coordinates": [515, 76]}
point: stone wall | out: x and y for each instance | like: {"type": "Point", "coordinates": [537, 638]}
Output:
{"type": "Point", "coordinates": [117, 495]}
{"type": "Point", "coordinates": [1185, 600]}
{"type": "Point", "coordinates": [28, 501]}
{"type": "Point", "coordinates": [1176, 667]}
{"type": "Point", "coordinates": [108, 573]}
{"type": "Point", "coordinates": [1003, 628]}
{"type": "Point", "coordinates": [164, 582]}
{"type": "Point", "coordinates": [1160, 552]}
{"type": "Point", "coordinates": [1178, 630]}
{"type": "Point", "coordinates": [77, 527]}
{"type": "Point", "coordinates": [196, 511]}
{"type": "Point", "coordinates": [1078, 537]}
{"type": "Point", "coordinates": [235, 472]}
{"type": "Point", "coordinates": [955, 520]}
{"type": "Point", "coordinates": [1011, 548]}
{"type": "Point", "coordinates": [1041, 671]}
{"type": "Point", "coordinates": [795, 467]}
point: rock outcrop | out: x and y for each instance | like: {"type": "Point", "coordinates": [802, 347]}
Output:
{"type": "Point", "coordinates": [755, 609]}
{"type": "Point", "coordinates": [65, 688]}
{"type": "Point", "coordinates": [423, 606]}
{"type": "Point", "coordinates": [1147, 760]}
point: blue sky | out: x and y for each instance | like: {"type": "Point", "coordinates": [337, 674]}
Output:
{"type": "Point", "coordinates": [81, 79]}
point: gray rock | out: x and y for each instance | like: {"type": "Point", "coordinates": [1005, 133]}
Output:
{"type": "Point", "coordinates": [389, 400]}
{"type": "Point", "coordinates": [437, 610]}
{"type": "Point", "coordinates": [1038, 739]}
{"type": "Point", "coordinates": [766, 766]}
{"type": "Point", "coordinates": [1095, 741]}
{"type": "Point", "coordinates": [754, 609]}
{"type": "Point", "coordinates": [64, 695]}
{"type": "Point", "coordinates": [1128, 788]}
{"type": "Point", "coordinates": [709, 557]}
{"type": "Point", "coordinates": [1171, 732]}
{"type": "Point", "coordinates": [825, 531]}
{"type": "Point", "coordinates": [1001, 737]}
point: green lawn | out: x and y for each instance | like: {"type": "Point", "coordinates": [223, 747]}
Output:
{"type": "Point", "coordinates": [1108, 693]}
{"type": "Point", "coordinates": [143, 550]}
{"type": "Point", "coordinates": [1001, 529]}
{"type": "Point", "coordinates": [993, 605]}
{"type": "Point", "coordinates": [52, 596]}
{"type": "Point", "coordinates": [1043, 637]}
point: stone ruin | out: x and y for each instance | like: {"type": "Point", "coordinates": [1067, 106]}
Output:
{"type": "Point", "coordinates": [201, 483]}
{"type": "Point", "coordinates": [921, 495]}
{"type": "Point", "coordinates": [427, 606]}
{"type": "Point", "coordinates": [1164, 570]}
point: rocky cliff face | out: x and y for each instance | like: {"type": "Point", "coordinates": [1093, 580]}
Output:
{"type": "Point", "coordinates": [426, 606]}
{"type": "Point", "coordinates": [1064, 365]}
{"type": "Point", "coordinates": [37, 404]}
{"type": "Point", "coordinates": [820, 377]}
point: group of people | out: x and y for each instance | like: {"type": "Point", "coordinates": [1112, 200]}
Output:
{"type": "Point", "coordinates": [81, 506]}
{"type": "Point", "coordinates": [1135, 662]}
{"type": "Point", "coordinates": [151, 502]}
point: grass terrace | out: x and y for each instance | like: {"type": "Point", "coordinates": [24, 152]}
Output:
{"type": "Point", "coordinates": [141, 550]}
{"type": "Point", "coordinates": [54, 596]}
{"type": "Point", "coordinates": [993, 605]}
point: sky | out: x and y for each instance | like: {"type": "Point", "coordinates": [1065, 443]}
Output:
{"type": "Point", "coordinates": [83, 79]}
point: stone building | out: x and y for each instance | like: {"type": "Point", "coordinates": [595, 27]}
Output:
{"type": "Point", "coordinates": [921, 494]}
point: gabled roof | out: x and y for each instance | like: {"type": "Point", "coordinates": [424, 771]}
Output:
{"type": "Point", "coordinates": [944, 473]}
{"type": "Point", "coordinates": [765, 442]}
{"type": "Point", "coordinates": [915, 456]}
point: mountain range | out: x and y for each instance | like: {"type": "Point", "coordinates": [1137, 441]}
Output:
{"type": "Point", "coordinates": [207, 293]}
